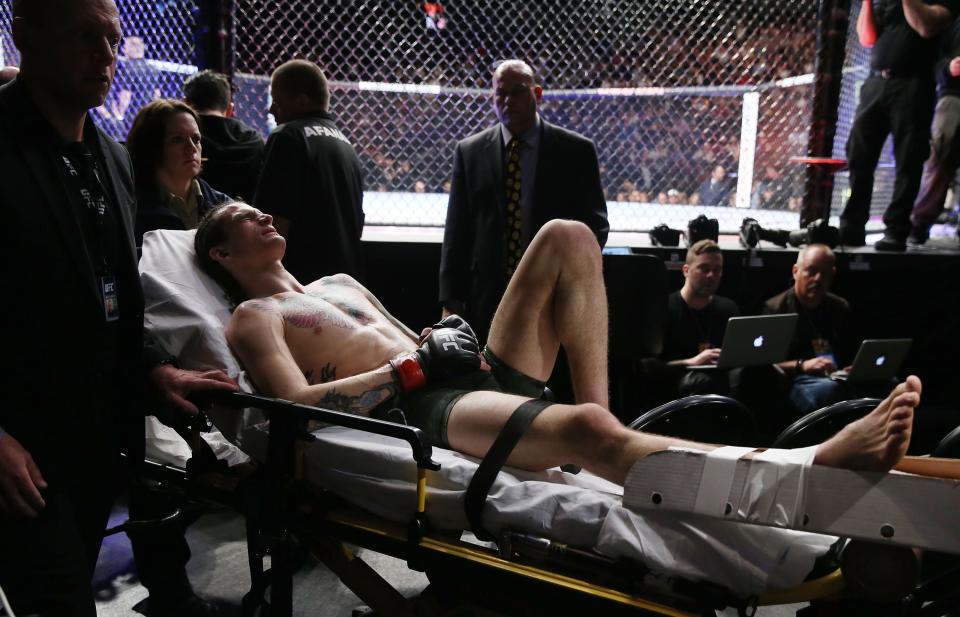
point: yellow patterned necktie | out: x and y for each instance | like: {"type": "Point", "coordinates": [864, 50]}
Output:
{"type": "Point", "coordinates": [514, 219]}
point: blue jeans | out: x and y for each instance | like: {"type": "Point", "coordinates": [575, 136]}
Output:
{"type": "Point", "coordinates": [810, 392]}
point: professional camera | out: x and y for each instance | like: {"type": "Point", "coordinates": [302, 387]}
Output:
{"type": "Point", "coordinates": [817, 232]}
{"type": "Point", "coordinates": [751, 233]}
{"type": "Point", "coordinates": [702, 228]}
{"type": "Point", "coordinates": [661, 235]}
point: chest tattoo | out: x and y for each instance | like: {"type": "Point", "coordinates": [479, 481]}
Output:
{"type": "Point", "coordinates": [314, 311]}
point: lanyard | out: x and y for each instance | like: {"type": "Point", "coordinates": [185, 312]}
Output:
{"type": "Point", "coordinates": [82, 169]}
{"type": "Point", "coordinates": [83, 173]}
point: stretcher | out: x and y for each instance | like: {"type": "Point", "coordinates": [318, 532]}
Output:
{"type": "Point", "coordinates": [582, 544]}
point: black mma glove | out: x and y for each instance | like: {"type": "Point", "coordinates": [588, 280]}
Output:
{"type": "Point", "coordinates": [445, 352]}
{"type": "Point", "coordinates": [458, 322]}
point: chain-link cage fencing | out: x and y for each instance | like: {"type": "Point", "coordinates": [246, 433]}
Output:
{"type": "Point", "coordinates": [669, 91]}
{"type": "Point", "coordinates": [155, 57]}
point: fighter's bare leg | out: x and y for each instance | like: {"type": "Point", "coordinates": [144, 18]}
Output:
{"type": "Point", "coordinates": [879, 440]}
{"type": "Point", "coordinates": [556, 297]}
{"type": "Point", "coordinates": [586, 435]}
{"type": "Point", "coordinates": [590, 436]}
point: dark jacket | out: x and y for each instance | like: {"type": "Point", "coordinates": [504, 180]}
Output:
{"type": "Point", "coordinates": [567, 186]}
{"type": "Point", "coordinates": [832, 320]}
{"type": "Point", "coordinates": [54, 369]}
{"type": "Point", "coordinates": [154, 213]}
{"type": "Point", "coordinates": [714, 194]}
{"type": "Point", "coordinates": [234, 156]}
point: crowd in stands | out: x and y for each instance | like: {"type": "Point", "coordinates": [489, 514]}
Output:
{"type": "Point", "coordinates": [648, 145]}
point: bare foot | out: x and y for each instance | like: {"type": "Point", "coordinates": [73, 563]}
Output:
{"type": "Point", "coordinates": [879, 440]}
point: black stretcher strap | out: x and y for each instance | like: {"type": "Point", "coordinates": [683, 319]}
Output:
{"type": "Point", "coordinates": [491, 464]}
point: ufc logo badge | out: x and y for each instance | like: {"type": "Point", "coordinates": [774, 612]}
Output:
{"type": "Point", "coordinates": [450, 341]}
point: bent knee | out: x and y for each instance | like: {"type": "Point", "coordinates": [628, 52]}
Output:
{"type": "Point", "coordinates": [592, 426]}
{"type": "Point", "coordinates": [570, 238]}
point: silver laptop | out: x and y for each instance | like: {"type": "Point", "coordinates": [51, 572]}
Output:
{"type": "Point", "coordinates": [751, 341]}
{"type": "Point", "coordinates": [877, 359]}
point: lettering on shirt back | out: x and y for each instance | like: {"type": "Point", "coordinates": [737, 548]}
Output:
{"type": "Point", "coordinates": [318, 130]}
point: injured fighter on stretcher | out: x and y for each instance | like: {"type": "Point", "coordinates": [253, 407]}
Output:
{"type": "Point", "coordinates": [332, 344]}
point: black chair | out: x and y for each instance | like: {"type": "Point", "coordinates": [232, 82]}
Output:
{"type": "Point", "coordinates": [949, 446]}
{"type": "Point", "coordinates": [708, 418]}
{"type": "Point", "coordinates": [822, 424]}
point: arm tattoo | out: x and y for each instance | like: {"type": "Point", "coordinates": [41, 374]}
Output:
{"type": "Point", "coordinates": [360, 404]}
{"type": "Point", "coordinates": [327, 374]}
{"type": "Point", "coordinates": [265, 305]}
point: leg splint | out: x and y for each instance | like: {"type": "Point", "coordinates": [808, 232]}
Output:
{"type": "Point", "coordinates": [782, 488]}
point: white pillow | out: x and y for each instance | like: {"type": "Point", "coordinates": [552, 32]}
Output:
{"type": "Point", "coordinates": [185, 312]}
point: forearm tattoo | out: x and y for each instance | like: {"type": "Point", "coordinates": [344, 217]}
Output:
{"type": "Point", "coordinates": [358, 404]}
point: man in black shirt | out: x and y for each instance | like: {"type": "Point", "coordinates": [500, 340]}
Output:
{"type": "Point", "coordinates": [697, 320]}
{"type": "Point", "coordinates": [941, 167]}
{"type": "Point", "coordinates": [896, 98]}
{"type": "Point", "coordinates": [822, 341]}
{"type": "Point", "coordinates": [76, 357]}
{"type": "Point", "coordinates": [233, 151]}
{"type": "Point", "coordinates": [311, 180]}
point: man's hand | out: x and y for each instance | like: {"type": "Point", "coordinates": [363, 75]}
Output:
{"type": "Point", "coordinates": [175, 385]}
{"type": "Point", "coordinates": [450, 320]}
{"type": "Point", "coordinates": [705, 357]}
{"type": "Point", "coordinates": [955, 67]}
{"type": "Point", "coordinates": [459, 323]}
{"type": "Point", "coordinates": [820, 365]}
{"type": "Point", "coordinates": [20, 480]}
{"type": "Point", "coordinates": [445, 352]}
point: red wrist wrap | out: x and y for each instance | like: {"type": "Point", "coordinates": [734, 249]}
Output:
{"type": "Point", "coordinates": [409, 371]}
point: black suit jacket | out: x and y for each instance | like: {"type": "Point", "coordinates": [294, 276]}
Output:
{"type": "Point", "coordinates": [54, 383]}
{"type": "Point", "coordinates": [567, 186]}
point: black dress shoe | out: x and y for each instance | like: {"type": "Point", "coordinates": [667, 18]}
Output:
{"type": "Point", "coordinates": [918, 237]}
{"type": "Point", "coordinates": [190, 605]}
{"type": "Point", "coordinates": [852, 236]}
{"type": "Point", "coordinates": [890, 243]}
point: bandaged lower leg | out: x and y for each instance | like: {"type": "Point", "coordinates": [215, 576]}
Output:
{"type": "Point", "coordinates": [784, 488]}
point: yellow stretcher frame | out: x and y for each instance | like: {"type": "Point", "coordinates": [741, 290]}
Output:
{"type": "Point", "coordinates": [317, 523]}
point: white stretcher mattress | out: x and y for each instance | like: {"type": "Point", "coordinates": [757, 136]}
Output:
{"type": "Point", "coordinates": [185, 313]}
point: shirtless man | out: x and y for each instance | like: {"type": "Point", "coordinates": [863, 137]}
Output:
{"type": "Point", "coordinates": [331, 343]}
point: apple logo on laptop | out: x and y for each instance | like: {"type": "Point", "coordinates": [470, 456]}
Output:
{"type": "Point", "coordinates": [758, 342]}
{"type": "Point", "coordinates": [881, 360]}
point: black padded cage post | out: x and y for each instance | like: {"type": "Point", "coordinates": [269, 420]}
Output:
{"type": "Point", "coordinates": [833, 19]}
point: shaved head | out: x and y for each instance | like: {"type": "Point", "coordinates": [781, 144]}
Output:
{"type": "Point", "coordinates": [516, 95]}
{"type": "Point", "coordinates": [518, 67]}
{"type": "Point", "coordinates": [812, 251]}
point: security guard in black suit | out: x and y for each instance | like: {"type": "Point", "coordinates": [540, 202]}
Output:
{"type": "Point", "coordinates": [73, 313]}
{"type": "Point", "coordinates": [496, 207]}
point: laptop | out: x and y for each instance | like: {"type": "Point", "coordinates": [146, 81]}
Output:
{"type": "Point", "coordinates": [751, 341]}
{"type": "Point", "coordinates": [877, 359]}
